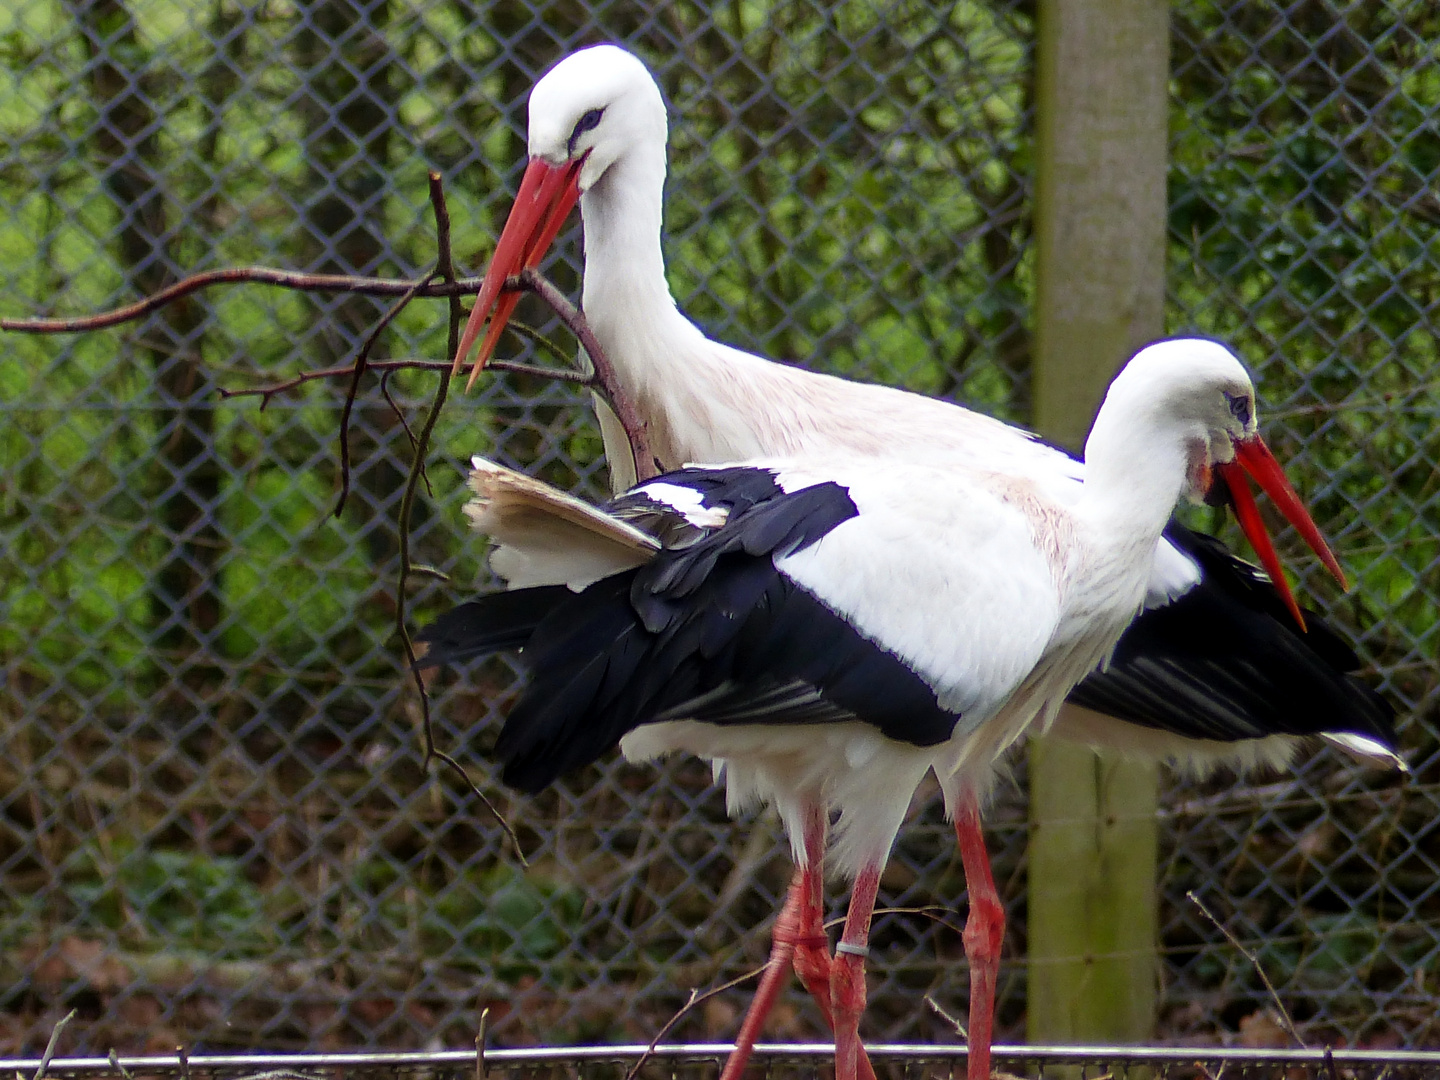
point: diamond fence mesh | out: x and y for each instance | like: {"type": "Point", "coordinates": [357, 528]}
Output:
{"type": "Point", "coordinates": [214, 824]}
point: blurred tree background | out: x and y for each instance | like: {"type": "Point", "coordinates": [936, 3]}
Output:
{"type": "Point", "coordinates": [213, 825]}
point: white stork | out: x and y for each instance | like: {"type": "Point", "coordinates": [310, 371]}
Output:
{"type": "Point", "coordinates": [597, 134]}
{"type": "Point", "coordinates": [827, 629]}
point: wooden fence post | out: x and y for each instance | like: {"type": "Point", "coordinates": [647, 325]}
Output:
{"type": "Point", "coordinates": [1102, 98]}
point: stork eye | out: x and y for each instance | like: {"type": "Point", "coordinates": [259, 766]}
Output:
{"type": "Point", "coordinates": [1240, 408]}
{"type": "Point", "coordinates": [589, 122]}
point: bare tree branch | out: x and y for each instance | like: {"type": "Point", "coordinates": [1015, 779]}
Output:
{"type": "Point", "coordinates": [265, 393]}
{"type": "Point", "coordinates": [125, 1073]}
{"type": "Point", "coordinates": [951, 1020]}
{"type": "Point", "coordinates": [400, 415]}
{"type": "Point", "coordinates": [54, 1042]}
{"type": "Point", "coordinates": [358, 370]}
{"type": "Point", "coordinates": [264, 275]}
{"type": "Point", "coordinates": [602, 381]}
{"type": "Point", "coordinates": [445, 267]}
{"type": "Point", "coordinates": [481, 1069]}
{"type": "Point", "coordinates": [607, 384]}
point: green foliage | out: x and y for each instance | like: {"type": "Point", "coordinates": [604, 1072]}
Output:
{"type": "Point", "coordinates": [502, 919]}
{"type": "Point", "coordinates": [169, 898]}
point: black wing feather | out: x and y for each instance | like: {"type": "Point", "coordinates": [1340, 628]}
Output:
{"type": "Point", "coordinates": [710, 632]}
{"type": "Point", "coordinates": [498, 623]}
{"type": "Point", "coordinates": [1226, 661]}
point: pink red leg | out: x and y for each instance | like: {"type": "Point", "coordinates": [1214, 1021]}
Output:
{"type": "Point", "coordinates": [847, 976]}
{"type": "Point", "coordinates": [777, 971]}
{"type": "Point", "coordinates": [799, 938]}
{"type": "Point", "coordinates": [812, 946]}
{"type": "Point", "coordinates": [984, 930]}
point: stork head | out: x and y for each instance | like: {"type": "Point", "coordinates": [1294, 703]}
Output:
{"type": "Point", "coordinates": [593, 107]}
{"type": "Point", "coordinates": [1193, 389]}
{"type": "Point", "coordinates": [1197, 389]}
{"type": "Point", "coordinates": [586, 114]}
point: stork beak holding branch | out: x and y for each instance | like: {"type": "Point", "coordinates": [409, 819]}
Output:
{"type": "Point", "coordinates": [547, 195]}
{"type": "Point", "coordinates": [1253, 460]}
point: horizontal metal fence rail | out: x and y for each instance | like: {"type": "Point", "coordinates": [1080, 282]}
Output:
{"type": "Point", "coordinates": [796, 1059]}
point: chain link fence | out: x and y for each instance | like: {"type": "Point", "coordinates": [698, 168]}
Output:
{"type": "Point", "coordinates": [214, 823]}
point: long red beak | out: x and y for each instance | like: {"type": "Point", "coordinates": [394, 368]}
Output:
{"type": "Point", "coordinates": [1253, 459]}
{"type": "Point", "coordinates": [547, 195]}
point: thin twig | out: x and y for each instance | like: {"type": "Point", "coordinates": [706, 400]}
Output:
{"type": "Point", "coordinates": [265, 393]}
{"type": "Point", "coordinates": [264, 275]}
{"type": "Point", "coordinates": [115, 1064]}
{"type": "Point", "coordinates": [359, 370]}
{"type": "Point", "coordinates": [696, 997]}
{"type": "Point", "coordinates": [927, 910]}
{"type": "Point", "coordinates": [529, 332]}
{"type": "Point", "coordinates": [580, 378]}
{"type": "Point", "coordinates": [184, 1056]}
{"type": "Point", "coordinates": [53, 1043]}
{"type": "Point", "coordinates": [433, 751]}
{"type": "Point", "coordinates": [482, 1070]}
{"type": "Point", "coordinates": [400, 415]}
{"type": "Point", "coordinates": [445, 267]}
{"type": "Point", "coordinates": [1285, 1018]}
{"type": "Point", "coordinates": [387, 366]}
{"type": "Point", "coordinates": [952, 1021]}
{"type": "Point", "coordinates": [607, 384]}
{"type": "Point", "coordinates": [1378, 403]}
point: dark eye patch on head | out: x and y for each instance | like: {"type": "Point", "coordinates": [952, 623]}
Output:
{"type": "Point", "coordinates": [1239, 407]}
{"type": "Point", "coordinates": [589, 122]}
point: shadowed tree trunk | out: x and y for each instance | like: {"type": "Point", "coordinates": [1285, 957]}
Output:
{"type": "Point", "coordinates": [186, 595]}
{"type": "Point", "coordinates": [348, 104]}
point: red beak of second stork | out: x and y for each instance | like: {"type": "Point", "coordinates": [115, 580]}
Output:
{"type": "Point", "coordinates": [547, 195]}
{"type": "Point", "coordinates": [1254, 460]}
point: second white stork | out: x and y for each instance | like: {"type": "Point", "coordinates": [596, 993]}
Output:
{"type": "Point", "coordinates": [826, 630]}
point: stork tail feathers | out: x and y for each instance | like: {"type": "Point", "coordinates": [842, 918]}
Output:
{"type": "Point", "coordinates": [545, 537]}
